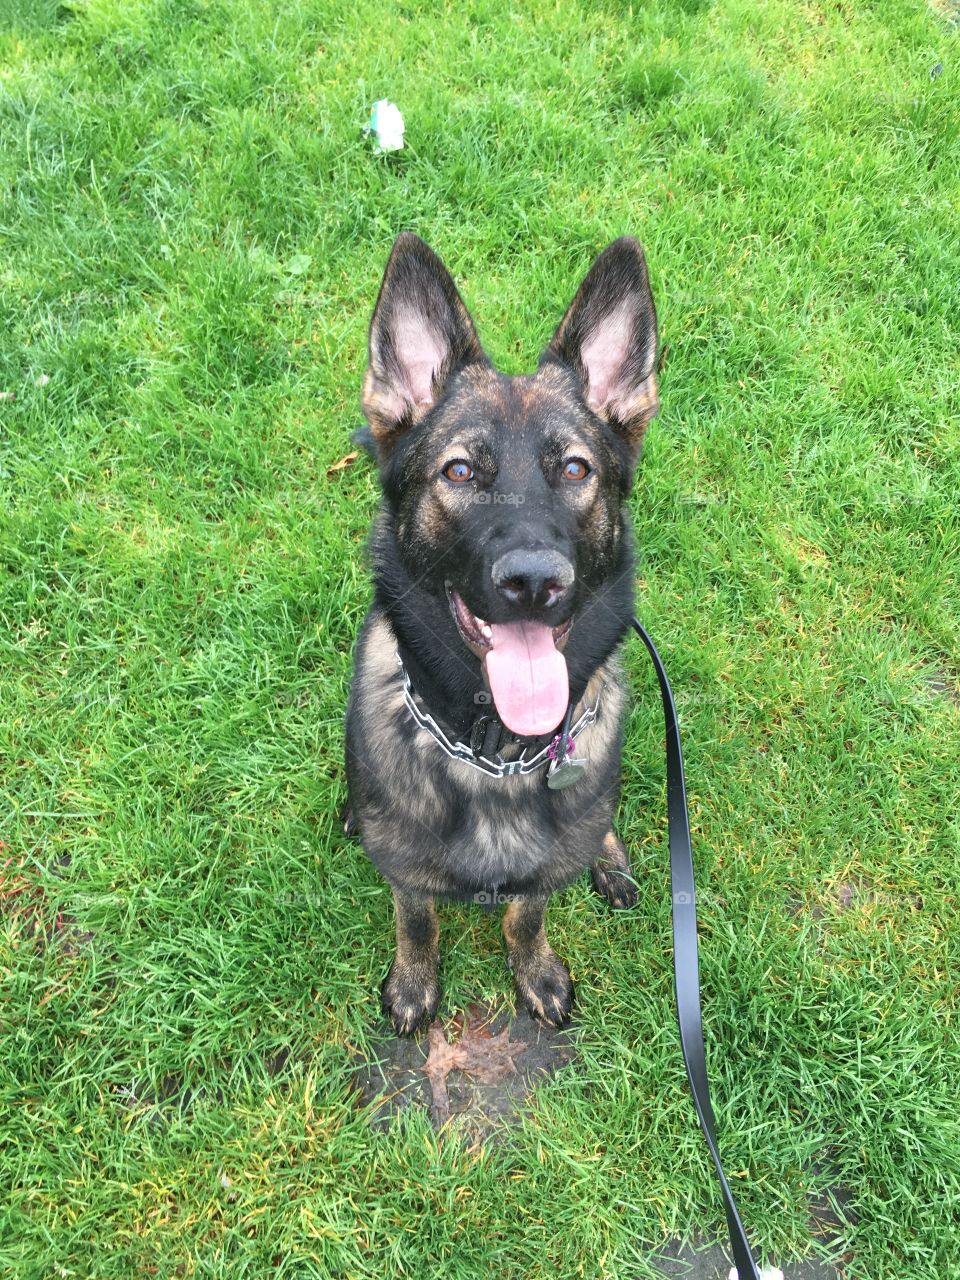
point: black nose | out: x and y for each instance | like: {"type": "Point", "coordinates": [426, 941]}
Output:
{"type": "Point", "coordinates": [532, 578]}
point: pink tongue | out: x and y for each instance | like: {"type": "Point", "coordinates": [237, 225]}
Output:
{"type": "Point", "coordinates": [528, 677]}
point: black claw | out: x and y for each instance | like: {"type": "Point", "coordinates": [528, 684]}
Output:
{"type": "Point", "coordinates": [407, 1003]}
{"type": "Point", "coordinates": [547, 991]}
{"type": "Point", "coordinates": [618, 889]}
{"type": "Point", "coordinates": [350, 828]}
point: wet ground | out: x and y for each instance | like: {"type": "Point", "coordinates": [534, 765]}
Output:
{"type": "Point", "coordinates": [477, 1073]}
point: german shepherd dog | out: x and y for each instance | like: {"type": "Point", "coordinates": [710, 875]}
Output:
{"type": "Point", "coordinates": [486, 673]}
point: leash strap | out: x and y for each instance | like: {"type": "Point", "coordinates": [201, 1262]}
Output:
{"type": "Point", "coordinates": [686, 966]}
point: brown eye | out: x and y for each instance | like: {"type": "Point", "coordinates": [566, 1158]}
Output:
{"type": "Point", "coordinates": [575, 469]}
{"type": "Point", "coordinates": [458, 471]}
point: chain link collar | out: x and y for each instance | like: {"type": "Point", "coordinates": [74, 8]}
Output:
{"type": "Point", "coordinates": [498, 767]}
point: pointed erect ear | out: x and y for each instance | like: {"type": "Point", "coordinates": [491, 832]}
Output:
{"type": "Point", "coordinates": [609, 338]}
{"type": "Point", "coordinates": [420, 334]}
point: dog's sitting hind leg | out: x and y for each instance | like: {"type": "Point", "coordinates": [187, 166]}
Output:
{"type": "Point", "coordinates": [612, 875]}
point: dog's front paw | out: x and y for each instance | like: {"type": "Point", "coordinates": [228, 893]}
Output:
{"type": "Point", "coordinates": [410, 996]}
{"type": "Point", "coordinates": [544, 985]}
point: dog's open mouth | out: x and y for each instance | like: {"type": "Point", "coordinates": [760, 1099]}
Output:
{"type": "Point", "coordinates": [524, 666]}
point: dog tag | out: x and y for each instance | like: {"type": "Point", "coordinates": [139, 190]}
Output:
{"type": "Point", "coordinates": [566, 773]}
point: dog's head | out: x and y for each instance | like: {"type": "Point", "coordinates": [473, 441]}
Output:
{"type": "Point", "coordinates": [506, 493]}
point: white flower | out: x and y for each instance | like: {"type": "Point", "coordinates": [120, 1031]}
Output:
{"type": "Point", "coordinates": [386, 124]}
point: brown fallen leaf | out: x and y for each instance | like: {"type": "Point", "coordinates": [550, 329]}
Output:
{"type": "Point", "coordinates": [477, 1053]}
{"type": "Point", "coordinates": [441, 1060]}
{"type": "Point", "coordinates": [341, 464]}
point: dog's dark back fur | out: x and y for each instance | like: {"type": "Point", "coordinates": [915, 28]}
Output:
{"type": "Point", "coordinates": [433, 825]}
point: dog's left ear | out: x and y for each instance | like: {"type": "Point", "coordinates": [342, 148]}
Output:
{"type": "Point", "coordinates": [420, 334]}
{"type": "Point", "coordinates": [609, 338]}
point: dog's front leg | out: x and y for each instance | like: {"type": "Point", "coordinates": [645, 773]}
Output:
{"type": "Point", "coordinates": [411, 992]}
{"type": "Point", "coordinates": [540, 976]}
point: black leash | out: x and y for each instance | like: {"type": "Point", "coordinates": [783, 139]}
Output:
{"type": "Point", "coordinates": [685, 962]}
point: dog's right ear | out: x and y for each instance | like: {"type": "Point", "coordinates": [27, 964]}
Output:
{"type": "Point", "coordinates": [419, 335]}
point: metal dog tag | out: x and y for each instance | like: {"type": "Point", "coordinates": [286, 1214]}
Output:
{"type": "Point", "coordinates": [566, 773]}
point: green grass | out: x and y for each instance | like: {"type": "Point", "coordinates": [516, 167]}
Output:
{"type": "Point", "coordinates": [192, 233]}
